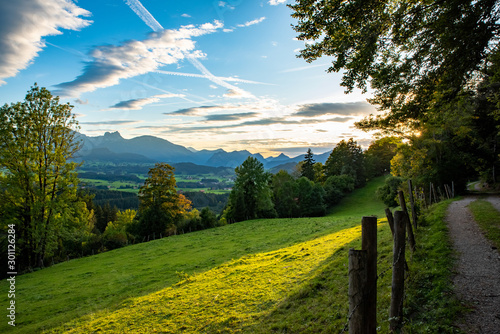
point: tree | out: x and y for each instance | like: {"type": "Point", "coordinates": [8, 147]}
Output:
{"type": "Point", "coordinates": [38, 183]}
{"type": "Point", "coordinates": [251, 195]}
{"type": "Point", "coordinates": [160, 205]}
{"type": "Point", "coordinates": [347, 158]}
{"type": "Point", "coordinates": [285, 195]}
{"type": "Point", "coordinates": [307, 167]}
{"type": "Point", "coordinates": [310, 198]}
{"type": "Point", "coordinates": [208, 218]}
{"type": "Point", "coordinates": [407, 50]}
{"type": "Point", "coordinates": [337, 186]}
{"type": "Point", "coordinates": [379, 154]}
{"type": "Point", "coordinates": [388, 193]}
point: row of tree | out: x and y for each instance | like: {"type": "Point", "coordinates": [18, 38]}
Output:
{"type": "Point", "coordinates": [315, 187]}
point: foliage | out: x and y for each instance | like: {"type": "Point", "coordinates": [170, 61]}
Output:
{"type": "Point", "coordinates": [336, 187]}
{"type": "Point", "coordinates": [115, 235]}
{"type": "Point", "coordinates": [307, 168]}
{"type": "Point", "coordinates": [251, 195]}
{"type": "Point", "coordinates": [310, 198]}
{"type": "Point", "coordinates": [488, 218]}
{"type": "Point", "coordinates": [388, 193]}
{"type": "Point", "coordinates": [407, 50]}
{"type": "Point", "coordinates": [453, 146]}
{"type": "Point", "coordinates": [285, 194]}
{"type": "Point", "coordinates": [347, 159]}
{"type": "Point", "coordinates": [122, 200]}
{"type": "Point", "coordinates": [38, 184]}
{"type": "Point", "coordinates": [160, 207]}
{"type": "Point", "coordinates": [200, 200]}
{"type": "Point", "coordinates": [379, 154]}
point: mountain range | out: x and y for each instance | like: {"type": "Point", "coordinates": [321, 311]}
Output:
{"type": "Point", "coordinates": [112, 147]}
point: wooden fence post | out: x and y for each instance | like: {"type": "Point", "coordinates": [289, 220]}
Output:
{"type": "Point", "coordinates": [369, 243]}
{"type": "Point", "coordinates": [357, 284]}
{"type": "Point", "coordinates": [390, 220]}
{"type": "Point", "coordinates": [398, 271]}
{"type": "Point", "coordinates": [412, 205]}
{"type": "Point", "coordinates": [411, 237]}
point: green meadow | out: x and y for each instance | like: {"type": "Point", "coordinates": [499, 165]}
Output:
{"type": "Point", "coordinates": [268, 275]}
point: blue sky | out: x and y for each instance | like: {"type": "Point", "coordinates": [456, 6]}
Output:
{"type": "Point", "coordinates": [203, 74]}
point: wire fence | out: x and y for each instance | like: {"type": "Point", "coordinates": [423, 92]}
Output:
{"type": "Point", "coordinates": [360, 319]}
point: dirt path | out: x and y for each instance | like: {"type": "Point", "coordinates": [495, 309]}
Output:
{"type": "Point", "coordinates": [477, 282]}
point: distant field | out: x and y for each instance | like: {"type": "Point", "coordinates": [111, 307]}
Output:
{"type": "Point", "coordinates": [195, 180]}
{"type": "Point", "coordinates": [159, 276]}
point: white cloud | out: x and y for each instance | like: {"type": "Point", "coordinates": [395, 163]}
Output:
{"type": "Point", "coordinates": [185, 15]}
{"type": "Point", "coordinates": [137, 104]}
{"type": "Point", "coordinates": [23, 24]}
{"type": "Point", "coordinates": [110, 63]}
{"type": "Point", "coordinates": [251, 23]}
{"type": "Point", "coordinates": [237, 93]}
{"type": "Point", "coordinates": [276, 2]}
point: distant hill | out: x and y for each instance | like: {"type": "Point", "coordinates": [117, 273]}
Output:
{"type": "Point", "coordinates": [114, 148]}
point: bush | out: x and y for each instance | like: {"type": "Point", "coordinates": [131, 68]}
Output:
{"type": "Point", "coordinates": [389, 191]}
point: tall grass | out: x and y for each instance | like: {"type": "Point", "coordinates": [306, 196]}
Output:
{"type": "Point", "coordinates": [431, 305]}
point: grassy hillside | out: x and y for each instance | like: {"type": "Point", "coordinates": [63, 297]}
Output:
{"type": "Point", "coordinates": [279, 253]}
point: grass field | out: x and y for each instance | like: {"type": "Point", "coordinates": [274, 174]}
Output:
{"type": "Point", "coordinates": [260, 276]}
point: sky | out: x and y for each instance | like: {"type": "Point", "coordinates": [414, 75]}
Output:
{"type": "Point", "coordinates": [204, 74]}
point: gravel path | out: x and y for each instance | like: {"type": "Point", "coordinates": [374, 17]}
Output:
{"type": "Point", "coordinates": [477, 281]}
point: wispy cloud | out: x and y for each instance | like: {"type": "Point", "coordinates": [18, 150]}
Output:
{"type": "Point", "coordinates": [236, 93]}
{"type": "Point", "coordinates": [251, 23]}
{"type": "Point", "coordinates": [303, 68]}
{"type": "Point", "coordinates": [115, 122]}
{"type": "Point", "coordinates": [112, 63]}
{"type": "Point", "coordinates": [79, 101]}
{"type": "Point", "coordinates": [146, 16]}
{"type": "Point", "coordinates": [206, 110]}
{"type": "Point", "coordinates": [137, 104]}
{"type": "Point", "coordinates": [185, 15]}
{"type": "Point", "coordinates": [230, 117]}
{"type": "Point", "coordinates": [190, 128]}
{"type": "Point", "coordinates": [321, 109]}
{"type": "Point", "coordinates": [195, 111]}
{"type": "Point", "coordinates": [195, 75]}
{"type": "Point", "coordinates": [23, 24]}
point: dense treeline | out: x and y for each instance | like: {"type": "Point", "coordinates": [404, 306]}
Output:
{"type": "Point", "coordinates": [120, 199]}
{"type": "Point", "coordinates": [314, 188]}
{"type": "Point", "coordinates": [200, 200]}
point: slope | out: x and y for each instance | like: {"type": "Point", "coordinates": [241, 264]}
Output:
{"type": "Point", "coordinates": [70, 290]}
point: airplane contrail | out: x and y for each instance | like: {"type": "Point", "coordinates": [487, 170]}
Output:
{"type": "Point", "coordinates": [146, 16]}
{"type": "Point", "coordinates": [194, 75]}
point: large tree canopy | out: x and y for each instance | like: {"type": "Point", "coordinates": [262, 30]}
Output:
{"type": "Point", "coordinates": [409, 51]}
{"type": "Point", "coordinates": [37, 182]}
{"type": "Point", "coordinates": [160, 206]}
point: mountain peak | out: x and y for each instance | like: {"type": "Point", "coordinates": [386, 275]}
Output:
{"type": "Point", "coordinates": [113, 135]}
